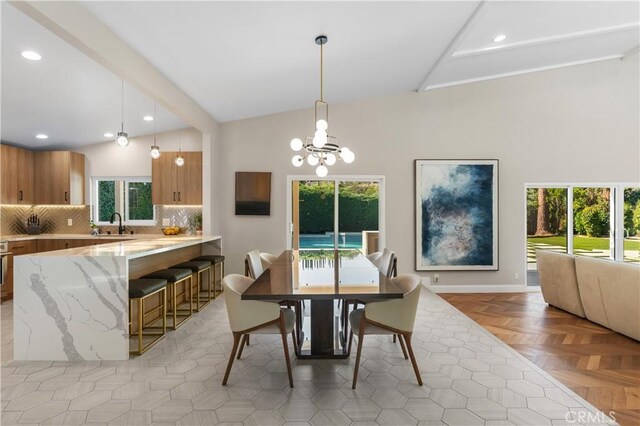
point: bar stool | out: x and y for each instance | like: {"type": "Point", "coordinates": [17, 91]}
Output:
{"type": "Point", "coordinates": [139, 291]}
{"type": "Point", "coordinates": [217, 262]}
{"type": "Point", "coordinates": [198, 267]}
{"type": "Point", "coordinates": [174, 278]}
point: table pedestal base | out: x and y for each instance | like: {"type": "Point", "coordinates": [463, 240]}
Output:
{"type": "Point", "coordinates": [326, 341]}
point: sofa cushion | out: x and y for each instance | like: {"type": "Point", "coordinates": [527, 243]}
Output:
{"type": "Point", "coordinates": [558, 282]}
{"type": "Point", "coordinates": [611, 294]}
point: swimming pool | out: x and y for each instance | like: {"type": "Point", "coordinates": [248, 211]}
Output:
{"type": "Point", "coordinates": [352, 240]}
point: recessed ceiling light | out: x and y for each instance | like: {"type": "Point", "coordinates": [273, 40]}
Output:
{"type": "Point", "coordinates": [147, 118]}
{"type": "Point", "coordinates": [30, 55]}
{"type": "Point", "coordinates": [41, 136]}
{"type": "Point", "coordinates": [499, 38]}
{"type": "Point", "coordinates": [108, 135]}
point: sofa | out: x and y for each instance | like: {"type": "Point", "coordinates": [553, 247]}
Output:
{"type": "Point", "coordinates": [603, 291]}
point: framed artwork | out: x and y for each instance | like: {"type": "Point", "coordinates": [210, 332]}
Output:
{"type": "Point", "coordinates": [253, 193]}
{"type": "Point", "coordinates": [456, 215]}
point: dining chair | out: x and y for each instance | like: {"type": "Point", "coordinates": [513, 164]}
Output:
{"type": "Point", "coordinates": [394, 316]}
{"type": "Point", "coordinates": [255, 264]}
{"type": "Point", "coordinates": [255, 317]}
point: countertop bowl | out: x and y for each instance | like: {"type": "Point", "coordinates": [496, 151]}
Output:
{"type": "Point", "coordinates": [171, 230]}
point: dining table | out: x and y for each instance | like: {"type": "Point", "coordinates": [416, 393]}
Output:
{"type": "Point", "coordinates": [331, 281]}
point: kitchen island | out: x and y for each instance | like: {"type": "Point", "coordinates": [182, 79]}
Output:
{"type": "Point", "coordinates": [73, 304]}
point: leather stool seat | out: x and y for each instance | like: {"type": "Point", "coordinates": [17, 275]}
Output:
{"type": "Point", "coordinates": [171, 274]}
{"type": "Point", "coordinates": [145, 286]}
{"type": "Point", "coordinates": [213, 258]}
{"type": "Point", "coordinates": [193, 265]}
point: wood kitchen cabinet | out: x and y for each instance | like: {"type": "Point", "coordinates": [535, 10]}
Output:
{"type": "Point", "coordinates": [173, 185]}
{"type": "Point", "coordinates": [17, 175]}
{"type": "Point", "coordinates": [59, 178]}
{"type": "Point", "coordinates": [17, 248]}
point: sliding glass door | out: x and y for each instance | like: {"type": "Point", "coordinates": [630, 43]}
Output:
{"type": "Point", "coordinates": [596, 220]}
{"type": "Point", "coordinates": [341, 213]}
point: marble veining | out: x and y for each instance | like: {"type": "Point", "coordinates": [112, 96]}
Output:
{"type": "Point", "coordinates": [70, 308]}
{"type": "Point", "coordinates": [72, 305]}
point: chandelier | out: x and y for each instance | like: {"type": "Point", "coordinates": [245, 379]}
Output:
{"type": "Point", "coordinates": [321, 149]}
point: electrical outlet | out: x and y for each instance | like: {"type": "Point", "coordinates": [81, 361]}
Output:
{"type": "Point", "coordinates": [436, 277]}
{"type": "Point", "coordinates": [516, 276]}
{"type": "Point", "coordinates": [166, 222]}
{"type": "Point", "coordinates": [69, 222]}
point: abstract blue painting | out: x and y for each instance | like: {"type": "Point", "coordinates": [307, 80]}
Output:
{"type": "Point", "coordinates": [456, 215]}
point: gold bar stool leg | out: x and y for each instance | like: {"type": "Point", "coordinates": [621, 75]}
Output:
{"type": "Point", "coordinates": [139, 291]}
{"type": "Point", "coordinates": [178, 278]}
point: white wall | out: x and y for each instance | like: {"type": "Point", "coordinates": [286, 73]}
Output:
{"type": "Point", "coordinates": [578, 123]}
{"type": "Point", "coordinates": [108, 159]}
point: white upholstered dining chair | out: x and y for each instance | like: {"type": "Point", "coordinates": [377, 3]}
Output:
{"type": "Point", "coordinates": [256, 263]}
{"type": "Point", "coordinates": [394, 316]}
{"type": "Point", "coordinates": [255, 317]}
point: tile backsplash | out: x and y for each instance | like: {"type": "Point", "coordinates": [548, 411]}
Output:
{"type": "Point", "coordinates": [53, 219]}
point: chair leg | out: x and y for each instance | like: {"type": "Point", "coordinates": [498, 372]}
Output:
{"type": "Point", "coordinates": [360, 339]}
{"type": "Point", "coordinates": [402, 345]}
{"type": "Point", "coordinates": [394, 338]}
{"type": "Point", "coordinates": [407, 339]}
{"type": "Point", "coordinates": [286, 350]}
{"type": "Point", "coordinates": [248, 339]}
{"type": "Point", "coordinates": [236, 341]}
{"type": "Point", "coordinates": [294, 339]}
{"type": "Point", "coordinates": [350, 341]}
{"type": "Point", "coordinates": [242, 343]}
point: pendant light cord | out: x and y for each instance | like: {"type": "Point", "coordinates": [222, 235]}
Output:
{"type": "Point", "coordinates": [122, 108]}
{"type": "Point", "coordinates": [155, 121]}
{"type": "Point", "coordinates": [321, 74]}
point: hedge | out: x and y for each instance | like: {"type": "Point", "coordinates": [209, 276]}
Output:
{"type": "Point", "coordinates": [358, 208]}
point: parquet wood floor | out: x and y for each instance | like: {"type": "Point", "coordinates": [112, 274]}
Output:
{"type": "Point", "coordinates": [598, 364]}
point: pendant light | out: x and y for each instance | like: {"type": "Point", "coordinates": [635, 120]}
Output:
{"type": "Point", "coordinates": [155, 149]}
{"type": "Point", "coordinates": [122, 138]}
{"type": "Point", "coordinates": [179, 158]}
{"type": "Point", "coordinates": [321, 149]}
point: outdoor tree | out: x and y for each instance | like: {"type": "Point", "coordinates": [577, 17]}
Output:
{"type": "Point", "coordinates": [542, 224]}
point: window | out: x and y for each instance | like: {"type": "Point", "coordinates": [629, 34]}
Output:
{"type": "Point", "coordinates": [595, 220]}
{"type": "Point", "coordinates": [130, 197]}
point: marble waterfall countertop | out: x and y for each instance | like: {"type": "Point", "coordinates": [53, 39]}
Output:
{"type": "Point", "coordinates": [73, 304]}
{"type": "Point", "coordinates": [134, 248]}
{"type": "Point", "coordinates": [26, 237]}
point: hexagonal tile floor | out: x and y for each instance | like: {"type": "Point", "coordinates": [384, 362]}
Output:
{"type": "Point", "coordinates": [470, 378]}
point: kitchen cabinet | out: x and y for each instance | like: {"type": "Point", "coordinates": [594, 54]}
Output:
{"type": "Point", "coordinates": [173, 185]}
{"type": "Point", "coordinates": [17, 175]}
{"type": "Point", "coordinates": [59, 177]}
{"type": "Point", "coordinates": [16, 248]}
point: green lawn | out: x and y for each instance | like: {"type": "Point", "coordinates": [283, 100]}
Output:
{"type": "Point", "coordinates": [583, 243]}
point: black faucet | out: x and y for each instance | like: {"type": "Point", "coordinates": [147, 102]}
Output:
{"type": "Point", "coordinates": [120, 226]}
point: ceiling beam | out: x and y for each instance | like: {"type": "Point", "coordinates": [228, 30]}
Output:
{"type": "Point", "coordinates": [631, 53]}
{"type": "Point", "coordinates": [77, 26]}
{"type": "Point", "coordinates": [548, 39]}
{"type": "Point", "coordinates": [451, 46]}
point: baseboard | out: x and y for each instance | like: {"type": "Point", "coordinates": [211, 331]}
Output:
{"type": "Point", "coordinates": [481, 288]}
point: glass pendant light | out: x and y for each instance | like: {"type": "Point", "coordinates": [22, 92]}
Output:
{"type": "Point", "coordinates": [122, 138]}
{"type": "Point", "coordinates": [155, 149]}
{"type": "Point", "coordinates": [179, 158]}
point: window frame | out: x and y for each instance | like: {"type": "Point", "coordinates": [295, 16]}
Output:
{"type": "Point", "coordinates": [125, 218]}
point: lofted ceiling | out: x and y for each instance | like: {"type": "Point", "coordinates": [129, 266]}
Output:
{"type": "Point", "coordinates": [247, 59]}
{"type": "Point", "coordinates": [244, 59]}
{"type": "Point", "coordinates": [66, 95]}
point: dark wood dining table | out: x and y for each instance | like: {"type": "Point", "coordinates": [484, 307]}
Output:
{"type": "Point", "coordinates": [323, 277]}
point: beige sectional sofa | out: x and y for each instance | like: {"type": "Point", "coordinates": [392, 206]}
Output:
{"type": "Point", "coordinates": [603, 291]}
